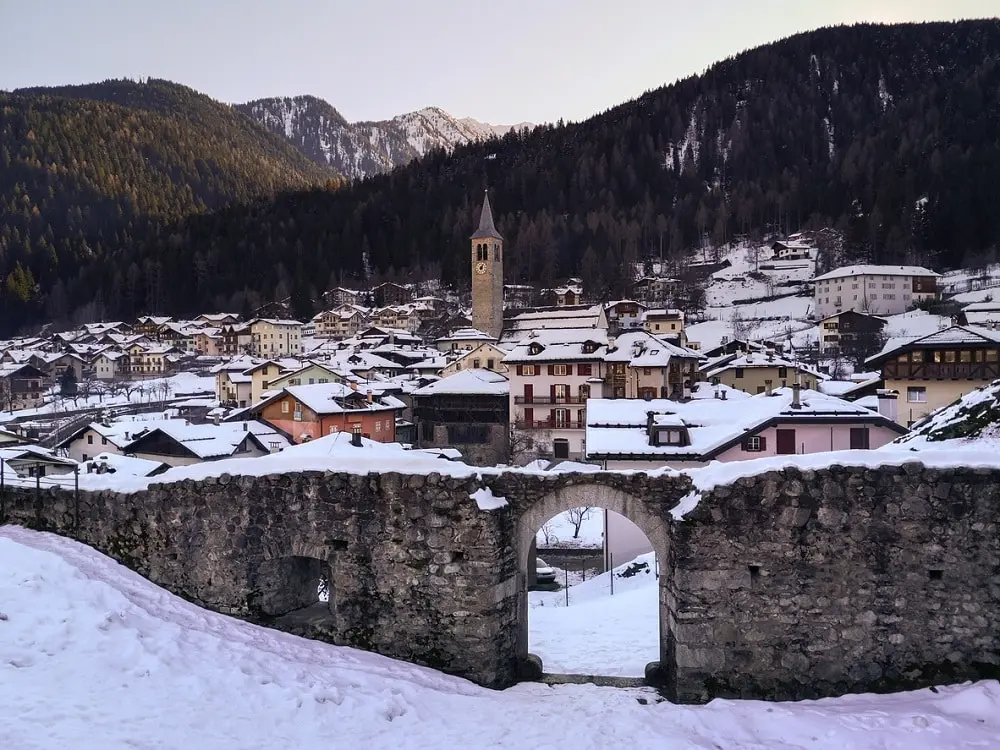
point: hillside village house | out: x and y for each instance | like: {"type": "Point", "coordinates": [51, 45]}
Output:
{"type": "Point", "coordinates": [792, 249]}
{"type": "Point", "coordinates": [236, 339]}
{"type": "Point", "coordinates": [654, 290]}
{"type": "Point", "coordinates": [564, 296]}
{"type": "Point", "coordinates": [659, 433]}
{"type": "Point", "coordinates": [467, 411]}
{"type": "Point", "coordinates": [875, 290]}
{"type": "Point", "coordinates": [484, 357]}
{"type": "Point", "coordinates": [931, 371]}
{"type": "Point", "coordinates": [150, 360]}
{"type": "Point", "coordinates": [109, 365]}
{"type": "Point", "coordinates": [270, 337]}
{"type": "Point", "coordinates": [757, 372]}
{"type": "Point", "coordinates": [22, 386]}
{"type": "Point", "coordinates": [982, 314]}
{"type": "Point", "coordinates": [581, 317]}
{"type": "Point", "coordinates": [463, 339]}
{"type": "Point", "coordinates": [109, 437]}
{"type": "Point", "coordinates": [150, 325]}
{"type": "Point", "coordinates": [849, 332]}
{"type": "Point", "coordinates": [340, 323]}
{"type": "Point", "coordinates": [390, 293]}
{"type": "Point", "coordinates": [310, 373]}
{"type": "Point", "coordinates": [307, 412]}
{"type": "Point", "coordinates": [232, 385]}
{"type": "Point", "coordinates": [641, 365]}
{"type": "Point", "coordinates": [186, 444]}
{"type": "Point", "coordinates": [552, 374]}
{"type": "Point", "coordinates": [624, 314]}
{"type": "Point", "coordinates": [343, 296]}
{"type": "Point", "coordinates": [217, 320]}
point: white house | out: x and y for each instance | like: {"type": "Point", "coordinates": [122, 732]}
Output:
{"type": "Point", "coordinates": [874, 290]}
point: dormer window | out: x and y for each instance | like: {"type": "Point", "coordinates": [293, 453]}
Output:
{"type": "Point", "coordinates": [535, 348]}
{"type": "Point", "coordinates": [589, 347]}
{"type": "Point", "coordinates": [669, 436]}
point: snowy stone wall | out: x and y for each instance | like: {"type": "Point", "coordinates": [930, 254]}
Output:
{"type": "Point", "coordinates": [789, 584]}
{"type": "Point", "coordinates": [416, 570]}
{"type": "Point", "coordinates": [799, 584]}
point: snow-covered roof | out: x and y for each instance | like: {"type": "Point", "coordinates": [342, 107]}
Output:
{"type": "Point", "coordinates": [329, 398]}
{"type": "Point", "coordinates": [951, 336]}
{"type": "Point", "coordinates": [753, 360]}
{"type": "Point", "coordinates": [619, 426]}
{"type": "Point", "coordinates": [466, 334]}
{"type": "Point", "coordinates": [873, 270]}
{"type": "Point", "coordinates": [468, 382]}
{"type": "Point", "coordinates": [569, 316]}
{"type": "Point", "coordinates": [124, 465]}
{"type": "Point", "coordinates": [560, 344]}
{"type": "Point", "coordinates": [207, 441]}
{"type": "Point", "coordinates": [643, 349]}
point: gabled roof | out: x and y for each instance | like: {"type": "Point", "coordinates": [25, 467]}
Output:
{"type": "Point", "coordinates": [643, 349]}
{"type": "Point", "coordinates": [872, 270]}
{"type": "Point", "coordinates": [478, 382]}
{"type": "Point", "coordinates": [330, 398]}
{"type": "Point", "coordinates": [208, 441]}
{"type": "Point", "coordinates": [951, 336]}
{"type": "Point", "coordinates": [486, 228]}
{"type": "Point", "coordinates": [617, 427]}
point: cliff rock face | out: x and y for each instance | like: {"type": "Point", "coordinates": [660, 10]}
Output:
{"type": "Point", "coordinates": [361, 149]}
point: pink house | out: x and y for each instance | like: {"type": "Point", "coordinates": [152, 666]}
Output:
{"type": "Point", "coordinates": [630, 434]}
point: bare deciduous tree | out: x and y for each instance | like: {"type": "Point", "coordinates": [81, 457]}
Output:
{"type": "Point", "coordinates": [548, 532]}
{"type": "Point", "coordinates": [576, 517]}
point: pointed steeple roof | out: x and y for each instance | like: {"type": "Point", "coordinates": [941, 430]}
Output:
{"type": "Point", "coordinates": [486, 228]}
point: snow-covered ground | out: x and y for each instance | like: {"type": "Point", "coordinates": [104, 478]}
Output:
{"type": "Point", "coordinates": [559, 531]}
{"type": "Point", "coordinates": [599, 632]}
{"type": "Point", "coordinates": [142, 391]}
{"type": "Point", "coordinates": [93, 657]}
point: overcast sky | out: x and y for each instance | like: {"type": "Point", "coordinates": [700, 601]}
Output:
{"type": "Point", "coordinates": [503, 61]}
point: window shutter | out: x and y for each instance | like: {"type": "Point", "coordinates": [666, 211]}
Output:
{"type": "Point", "coordinates": [569, 369]}
{"type": "Point", "coordinates": [744, 444]}
{"type": "Point", "coordinates": [763, 443]}
{"type": "Point", "coordinates": [520, 370]}
{"type": "Point", "coordinates": [552, 369]}
{"type": "Point", "coordinates": [552, 391]}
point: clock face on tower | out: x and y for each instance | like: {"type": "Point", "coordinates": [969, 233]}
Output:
{"type": "Point", "coordinates": [480, 267]}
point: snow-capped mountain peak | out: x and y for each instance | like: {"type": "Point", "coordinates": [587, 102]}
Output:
{"type": "Point", "coordinates": [360, 149]}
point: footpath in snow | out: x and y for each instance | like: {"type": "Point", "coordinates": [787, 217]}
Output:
{"type": "Point", "coordinates": [600, 631]}
{"type": "Point", "coordinates": [94, 657]}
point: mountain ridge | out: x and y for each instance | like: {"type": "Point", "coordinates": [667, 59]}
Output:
{"type": "Point", "coordinates": [366, 147]}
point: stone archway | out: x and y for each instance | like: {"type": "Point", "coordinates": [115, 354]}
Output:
{"type": "Point", "coordinates": [285, 590]}
{"type": "Point", "coordinates": [636, 510]}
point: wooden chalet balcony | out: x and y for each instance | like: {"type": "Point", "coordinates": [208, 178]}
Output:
{"type": "Point", "coordinates": [550, 399]}
{"type": "Point", "coordinates": [986, 371]}
{"type": "Point", "coordinates": [550, 424]}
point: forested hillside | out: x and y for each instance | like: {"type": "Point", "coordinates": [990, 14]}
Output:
{"type": "Point", "coordinates": [890, 133]}
{"type": "Point", "coordinates": [87, 173]}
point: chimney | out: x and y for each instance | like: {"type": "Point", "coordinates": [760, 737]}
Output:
{"type": "Point", "coordinates": [887, 405]}
{"type": "Point", "coordinates": [354, 386]}
{"type": "Point", "coordinates": [369, 396]}
{"type": "Point", "coordinates": [723, 396]}
{"type": "Point", "coordinates": [356, 436]}
{"type": "Point", "coordinates": [246, 427]}
{"type": "Point", "coordinates": [216, 419]}
{"type": "Point", "coordinates": [796, 396]}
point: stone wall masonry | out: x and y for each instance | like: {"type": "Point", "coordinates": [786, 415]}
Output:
{"type": "Point", "coordinates": [806, 584]}
{"type": "Point", "coordinates": [789, 584]}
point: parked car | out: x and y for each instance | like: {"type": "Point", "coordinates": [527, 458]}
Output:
{"type": "Point", "coordinates": [543, 573]}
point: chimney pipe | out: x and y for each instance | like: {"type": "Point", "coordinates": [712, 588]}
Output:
{"type": "Point", "coordinates": [369, 396]}
{"type": "Point", "coordinates": [796, 396]}
{"type": "Point", "coordinates": [356, 436]}
{"type": "Point", "coordinates": [887, 405]}
{"type": "Point", "coordinates": [723, 395]}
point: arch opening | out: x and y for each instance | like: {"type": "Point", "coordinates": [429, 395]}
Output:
{"type": "Point", "coordinates": [295, 593]}
{"type": "Point", "coordinates": [617, 621]}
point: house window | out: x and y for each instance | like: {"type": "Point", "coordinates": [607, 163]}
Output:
{"type": "Point", "coordinates": [490, 364]}
{"type": "Point", "coordinates": [646, 371]}
{"type": "Point", "coordinates": [859, 438]}
{"type": "Point", "coordinates": [760, 389]}
{"type": "Point", "coordinates": [476, 363]}
{"type": "Point", "coordinates": [559, 369]}
{"type": "Point", "coordinates": [528, 370]}
{"type": "Point", "coordinates": [754, 444]}
{"type": "Point", "coordinates": [334, 429]}
{"type": "Point", "coordinates": [916, 394]}
{"type": "Point", "coordinates": [297, 414]}
{"type": "Point", "coordinates": [104, 441]}
{"type": "Point", "coordinates": [585, 369]}
{"type": "Point", "coordinates": [738, 373]}
{"type": "Point", "coordinates": [90, 439]}
{"type": "Point", "coordinates": [782, 372]}
{"type": "Point", "coordinates": [560, 448]}
{"type": "Point", "coordinates": [284, 407]}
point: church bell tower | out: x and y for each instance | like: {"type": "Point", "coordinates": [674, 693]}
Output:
{"type": "Point", "coordinates": [487, 274]}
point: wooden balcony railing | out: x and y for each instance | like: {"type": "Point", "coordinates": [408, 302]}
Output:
{"type": "Point", "coordinates": [550, 399]}
{"type": "Point", "coordinates": [986, 371]}
{"type": "Point", "coordinates": [550, 424]}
